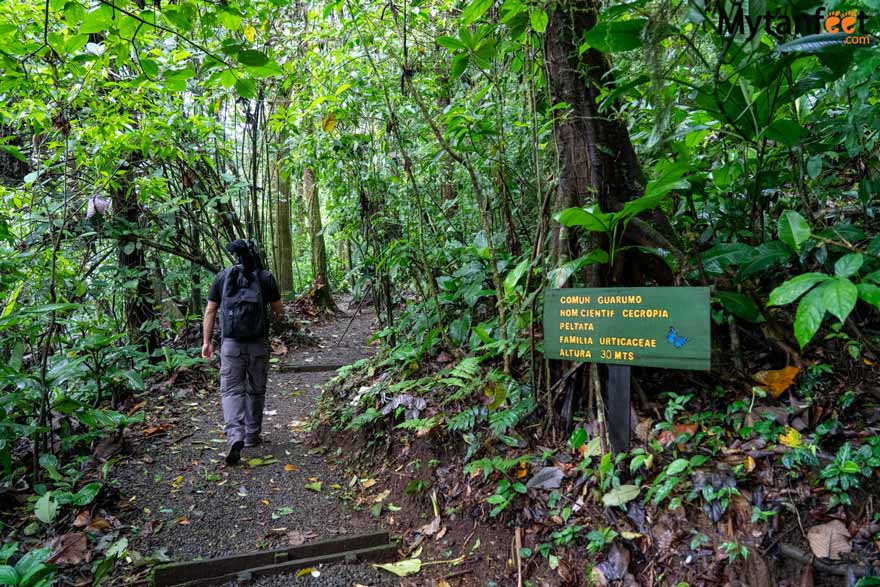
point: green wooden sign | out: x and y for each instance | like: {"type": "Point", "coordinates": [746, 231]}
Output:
{"type": "Point", "coordinates": [640, 326]}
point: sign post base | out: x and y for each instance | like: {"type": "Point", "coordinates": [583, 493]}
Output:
{"type": "Point", "coordinates": [617, 398]}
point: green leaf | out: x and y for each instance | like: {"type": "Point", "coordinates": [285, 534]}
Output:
{"type": "Point", "coordinates": [246, 88]}
{"type": "Point", "coordinates": [31, 562]}
{"type": "Point", "coordinates": [590, 218]}
{"type": "Point", "coordinates": [252, 57]}
{"type": "Point", "coordinates": [809, 316]}
{"type": "Point", "coordinates": [539, 20]}
{"type": "Point", "coordinates": [813, 43]}
{"type": "Point", "coordinates": [97, 20]}
{"type": "Point", "coordinates": [848, 265]}
{"type": "Point", "coordinates": [794, 288]}
{"type": "Point", "coordinates": [839, 297]}
{"type": "Point", "coordinates": [150, 68]}
{"type": "Point", "coordinates": [475, 10]}
{"type": "Point", "coordinates": [676, 467]}
{"type": "Point", "coordinates": [793, 229]}
{"type": "Point", "coordinates": [403, 568]}
{"type": "Point", "coordinates": [767, 255]}
{"type": "Point", "coordinates": [870, 293]}
{"type": "Point", "coordinates": [316, 486]}
{"type": "Point", "coordinates": [450, 43]}
{"type": "Point", "coordinates": [514, 276]}
{"type": "Point", "coordinates": [785, 131]}
{"type": "Point", "coordinates": [717, 259]}
{"type": "Point", "coordinates": [620, 495]}
{"type": "Point", "coordinates": [87, 494]}
{"type": "Point", "coordinates": [459, 64]}
{"type": "Point", "coordinates": [740, 306]}
{"type": "Point", "coordinates": [46, 508]}
{"type": "Point", "coordinates": [614, 36]}
{"type": "Point", "coordinates": [8, 575]}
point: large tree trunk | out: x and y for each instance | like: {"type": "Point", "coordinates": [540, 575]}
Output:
{"type": "Point", "coordinates": [597, 161]}
{"type": "Point", "coordinates": [139, 305]}
{"type": "Point", "coordinates": [283, 241]}
{"type": "Point", "coordinates": [598, 164]}
{"type": "Point", "coordinates": [321, 285]}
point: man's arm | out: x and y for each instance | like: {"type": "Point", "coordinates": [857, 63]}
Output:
{"type": "Point", "coordinates": [208, 330]}
{"type": "Point", "coordinates": [277, 309]}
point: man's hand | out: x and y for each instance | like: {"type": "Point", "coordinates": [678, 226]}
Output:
{"type": "Point", "coordinates": [208, 350]}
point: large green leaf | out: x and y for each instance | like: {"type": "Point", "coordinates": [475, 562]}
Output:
{"type": "Point", "coordinates": [813, 43]}
{"type": "Point", "coordinates": [246, 88]}
{"type": "Point", "coordinates": [870, 293]}
{"type": "Point", "coordinates": [615, 36]}
{"type": "Point", "coordinates": [848, 265]}
{"type": "Point", "coordinates": [809, 316]}
{"type": "Point", "coordinates": [740, 306]}
{"type": "Point", "coordinates": [717, 259]}
{"type": "Point", "coordinates": [8, 575]}
{"type": "Point", "coordinates": [252, 57]}
{"type": "Point", "coordinates": [539, 20]}
{"type": "Point", "coordinates": [767, 255]}
{"type": "Point", "coordinates": [794, 288]}
{"type": "Point", "coordinates": [784, 131]}
{"type": "Point", "coordinates": [87, 494]}
{"type": "Point", "coordinates": [839, 297]}
{"type": "Point", "coordinates": [46, 508]}
{"type": "Point", "coordinates": [590, 218]}
{"type": "Point", "coordinates": [475, 10]}
{"type": "Point", "coordinates": [514, 276]}
{"type": "Point", "coordinates": [793, 229]}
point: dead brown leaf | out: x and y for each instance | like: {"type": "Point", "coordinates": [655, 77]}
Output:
{"type": "Point", "coordinates": [137, 408]}
{"type": "Point", "coordinates": [155, 430]}
{"type": "Point", "coordinates": [69, 549]}
{"type": "Point", "coordinates": [829, 540]}
{"type": "Point", "coordinates": [778, 380]}
{"type": "Point", "coordinates": [82, 519]}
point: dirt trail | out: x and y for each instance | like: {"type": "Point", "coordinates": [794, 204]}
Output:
{"type": "Point", "coordinates": [186, 502]}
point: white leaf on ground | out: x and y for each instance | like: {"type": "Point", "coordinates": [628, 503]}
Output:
{"type": "Point", "coordinates": [829, 540]}
{"type": "Point", "coordinates": [620, 495]}
{"type": "Point", "coordinates": [546, 478]}
{"type": "Point", "coordinates": [403, 568]}
{"type": "Point", "coordinates": [432, 528]}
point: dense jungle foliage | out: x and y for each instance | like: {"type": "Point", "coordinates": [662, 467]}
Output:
{"type": "Point", "coordinates": [451, 161]}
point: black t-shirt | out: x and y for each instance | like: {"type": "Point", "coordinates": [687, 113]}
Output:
{"type": "Point", "coordinates": [267, 286]}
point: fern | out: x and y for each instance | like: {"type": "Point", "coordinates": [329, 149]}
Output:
{"type": "Point", "coordinates": [463, 421]}
{"type": "Point", "coordinates": [503, 420]}
{"type": "Point", "coordinates": [368, 416]}
{"type": "Point", "coordinates": [419, 423]}
{"type": "Point", "coordinates": [490, 465]}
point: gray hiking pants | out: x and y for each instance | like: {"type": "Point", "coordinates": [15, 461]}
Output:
{"type": "Point", "coordinates": [243, 369]}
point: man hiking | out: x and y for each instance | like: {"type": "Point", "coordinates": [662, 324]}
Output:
{"type": "Point", "coordinates": [241, 293]}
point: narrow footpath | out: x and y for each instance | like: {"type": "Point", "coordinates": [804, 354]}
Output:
{"type": "Point", "coordinates": [188, 504]}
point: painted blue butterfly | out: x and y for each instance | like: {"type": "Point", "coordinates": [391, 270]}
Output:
{"type": "Point", "coordinates": [673, 338]}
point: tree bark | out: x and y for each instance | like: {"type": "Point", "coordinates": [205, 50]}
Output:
{"type": "Point", "coordinates": [139, 306]}
{"type": "Point", "coordinates": [283, 240]}
{"type": "Point", "coordinates": [321, 285]}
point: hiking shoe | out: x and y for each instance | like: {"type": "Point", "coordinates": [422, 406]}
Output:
{"type": "Point", "coordinates": [254, 441]}
{"type": "Point", "coordinates": [234, 454]}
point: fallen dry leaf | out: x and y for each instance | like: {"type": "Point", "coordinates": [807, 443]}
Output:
{"type": "Point", "coordinates": [829, 540]}
{"type": "Point", "coordinates": [522, 468]}
{"type": "Point", "coordinates": [367, 483]}
{"type": "Point", "coordinates": [431, 528]}
{"type": "Point", "coordinates": [791, 438]}
{"type": "Point", "coordinates": [137, 408]}
{"type": "Point", "coordinates": [68, 549]}
{"type": "Point", "coordinates": [82, 519]}
{"type": "Point", "coordinates": [749, 464]}
{"type": "Point", "coordinates": [289, 468]}
{"type": "Point", "coordinates": [776, 381]}
{"type": "Point", "coordinates": [155, 430]}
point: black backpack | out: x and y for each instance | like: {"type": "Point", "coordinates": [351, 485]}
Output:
{"type": "Point", "coordinates": [242, 312]}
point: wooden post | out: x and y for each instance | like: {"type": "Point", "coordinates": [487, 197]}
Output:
{"type": "Point", "coordinates": [617, 398]}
